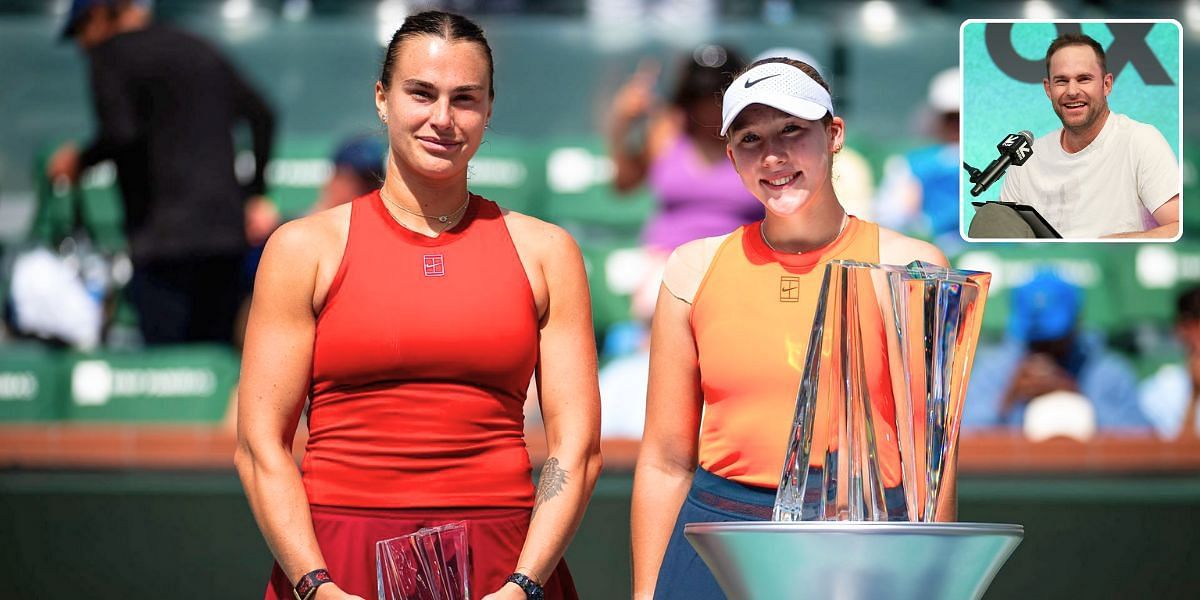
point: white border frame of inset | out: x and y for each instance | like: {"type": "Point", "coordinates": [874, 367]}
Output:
{"type": "Point", "coordinates": [962, 190]}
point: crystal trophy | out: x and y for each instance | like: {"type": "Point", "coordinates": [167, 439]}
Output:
{"type": "Point", "coordinates": [873, 443]}
{"type": "Point", "coordinates": [880, 401]}
{"type": "Point", "coordinates": [430, 564]}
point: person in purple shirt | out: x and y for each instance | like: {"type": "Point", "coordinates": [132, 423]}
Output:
{"type": "Point", "coordinates": [681, 158]}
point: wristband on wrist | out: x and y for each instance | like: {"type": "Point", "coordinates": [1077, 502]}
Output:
{"type": "Point", "coordinates": [533, 590]}
{"type": "Point", "coordinates": [307, 586]}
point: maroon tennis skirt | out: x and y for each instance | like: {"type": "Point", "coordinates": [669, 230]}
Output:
{"type": "Point", "coordinates": [347, 539]}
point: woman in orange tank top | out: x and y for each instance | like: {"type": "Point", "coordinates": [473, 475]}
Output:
{"type": "Point", "coordinates": [732, 324]}
{"type": "Point", "coordinates": [413, 320]}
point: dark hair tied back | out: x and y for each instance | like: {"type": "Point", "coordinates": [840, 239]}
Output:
{"type": "Point", "coordinates": [448, 26]}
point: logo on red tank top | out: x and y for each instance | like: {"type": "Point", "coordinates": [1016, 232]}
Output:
{"type": "Point", "coordinates": [435, 265]}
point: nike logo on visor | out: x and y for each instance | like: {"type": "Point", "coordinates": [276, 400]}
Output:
{"type": "Point", "coordinates": [750, 83]}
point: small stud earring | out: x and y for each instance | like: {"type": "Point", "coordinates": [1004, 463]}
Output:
{"type": "Point", "coordinates": [383, 118]}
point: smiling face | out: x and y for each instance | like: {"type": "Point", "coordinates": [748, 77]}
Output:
{"type": "Point", "coordinates": [1078, 87]}
{"type": "Point", "coordinates": [785, 161]}
{"type": "Point", "coordinates": [436, 105]}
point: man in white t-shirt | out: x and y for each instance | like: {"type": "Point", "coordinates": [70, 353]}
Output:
{"type": "Point", "coordinates": [1103, 174]}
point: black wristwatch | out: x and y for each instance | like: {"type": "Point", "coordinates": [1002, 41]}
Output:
{"type": "Point", "coordinates": [533, 590]}
{"type": "Point", "coordinates": [307, 586]}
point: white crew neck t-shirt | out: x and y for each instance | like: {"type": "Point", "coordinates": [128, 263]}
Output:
{"type": "Point", "coordinates": [1111, 186]}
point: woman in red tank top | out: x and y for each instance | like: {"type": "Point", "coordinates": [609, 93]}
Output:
{"type": "Point", "coordinates": [729, 329]}
{"type": "Point", "coordinates": [413, 319]}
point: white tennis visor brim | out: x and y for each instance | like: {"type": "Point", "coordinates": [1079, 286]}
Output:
{"type": "Point", "coordinates": [797, 107]}
{"type": "Point", "coordinates": [779, 85]}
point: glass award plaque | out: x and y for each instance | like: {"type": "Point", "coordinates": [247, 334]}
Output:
{"type": "Point", "coordinates": [430, 564]}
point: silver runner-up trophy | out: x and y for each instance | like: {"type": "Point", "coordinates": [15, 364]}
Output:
{"type": "Point", "coordinates": [874, 443]}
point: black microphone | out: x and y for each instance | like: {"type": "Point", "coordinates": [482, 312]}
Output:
{"type": "Point", "coordinates": [1015, 149]}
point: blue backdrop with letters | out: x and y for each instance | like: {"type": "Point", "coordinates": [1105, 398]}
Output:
{"type": "Point", "coordinates": [1003, 66]}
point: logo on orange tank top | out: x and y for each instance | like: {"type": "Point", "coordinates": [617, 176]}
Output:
{"type": "Point", "coordinates": [789, 289]}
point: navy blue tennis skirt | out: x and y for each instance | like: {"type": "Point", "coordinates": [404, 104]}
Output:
{"type": "Point", "coordinates": [712, 499]}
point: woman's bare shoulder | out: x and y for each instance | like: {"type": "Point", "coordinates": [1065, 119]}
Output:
{"type": "Point", "coordinates": [310, 240]}
{"type": "Point", "coordinates": [302, 255]}
{"type": "Point", "coordinates": [532, 234]}
{"type": "Point", "coordinates": [688, 264]}
{"type": "Point", "coordinates": [897, 249]}
{"type": "Point", "coordinates": [315, 231]}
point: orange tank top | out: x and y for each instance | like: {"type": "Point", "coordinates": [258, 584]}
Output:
{"type": "Point", "coordinates": [422, 356]}
{"type": "Point", "coordinates": [751, 318]}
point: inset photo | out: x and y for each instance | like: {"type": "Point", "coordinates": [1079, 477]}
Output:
{"type": "Point", "coordinates": [1071, 130]}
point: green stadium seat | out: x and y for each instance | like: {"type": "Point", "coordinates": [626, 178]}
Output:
{"type": "Point", "coordinates": [1150, 277]}
{"type": "Point", "coordinates": [1090, 266]}
{"type": "Point", "coordinates": [1191, 188]}
{"type": "Point", "coordinates": [876, 152]}
{"type": "Point", "coordinates": [31, 378]}
{"type": "Point", "coordinates": [101, 210]}
{"type": "Point", "coordinates": [173, 384]}
{"type": "Point", "coordinates": [609, 306]}
{"type": "Point", "coordinates": [580, 196]}
{"type": "Point", "coordinates": [511, 173]}
{"type": "Point", "coordinates": [296, 172]}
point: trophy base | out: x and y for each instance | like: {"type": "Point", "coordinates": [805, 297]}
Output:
{"type": "Point", "coordinates": [844, 560]}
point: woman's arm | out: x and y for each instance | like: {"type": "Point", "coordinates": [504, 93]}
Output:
{"type": "Point", "coordinates": [899, 249]}
{"type": "Point", "coordinates": [632, 102]}
{"type": "Point", "coordinates": [668, 455]}
{"type": "Point", "coordinates": [275, 371]}
{"type": "Point", "coordinates": [568, 392]}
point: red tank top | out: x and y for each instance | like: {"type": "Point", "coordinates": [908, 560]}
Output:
{"type": "Point", "coordinates": [422, 356]}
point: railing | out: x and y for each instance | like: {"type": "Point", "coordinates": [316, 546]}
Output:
{"type": "Point", "coordinates": [129, 446]}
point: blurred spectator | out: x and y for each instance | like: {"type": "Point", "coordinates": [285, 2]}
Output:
{"type": "Point", "coordinates": [359, 165]}
{"type": "Point", "coordinates": [1169, 396]}
{"type": "Point", "coordinates": [624, 380]}
{"type": "Point", "coordinates": [166, 103]}
{"type": "Point", "coordinates": [681, 158]}
{"type": "Point", "coordinates": [919, 191]}
{"type": "Point", "coordinates": [1046, 354]}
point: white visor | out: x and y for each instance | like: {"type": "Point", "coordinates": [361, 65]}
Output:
{"type": "Point", "coordinates": [778, 85]}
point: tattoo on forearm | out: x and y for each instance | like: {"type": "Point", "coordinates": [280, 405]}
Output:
{"type": "Point", "coordinates": [551, 482]}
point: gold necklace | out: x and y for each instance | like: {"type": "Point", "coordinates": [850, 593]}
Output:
{"type": "Point", "coordinates": [440, 218]}
{"type": "Point", "coordinates": [762, 232]}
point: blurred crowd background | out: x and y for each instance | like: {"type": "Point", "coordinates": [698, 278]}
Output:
{"type": "Point", "coordinates": [1104, 336]}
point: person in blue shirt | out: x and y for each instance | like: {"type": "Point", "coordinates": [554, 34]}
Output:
{"type": "Point", "coordinates": [1046, 352]}
{"type": "Point", "coordinates": [919, 191]}
{"type": "Point", "coordinates": [1169, 396]}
